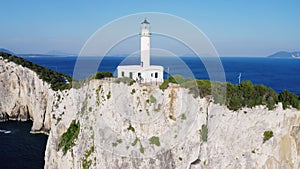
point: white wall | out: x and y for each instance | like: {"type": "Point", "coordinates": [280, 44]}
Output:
{"type": "Point", "coordinates": [145, 50]}
{"type": "Point", "coordinates": [145, 73]}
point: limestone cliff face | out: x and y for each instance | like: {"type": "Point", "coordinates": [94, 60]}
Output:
{"type": "Point", "coordinates": [235, 139]}
{"type": "Point", "coordinates": [106, 110]}
{"type": "Point", "coordinates": [24, 96]}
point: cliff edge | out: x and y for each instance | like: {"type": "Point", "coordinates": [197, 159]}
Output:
{"type": "Point", "coordinates": [24, 96]}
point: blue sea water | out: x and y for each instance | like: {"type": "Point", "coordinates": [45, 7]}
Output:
{"type": "Point", "coordinates": [277, 73]}
{"type": "Point", "coordinates": [19, 149]}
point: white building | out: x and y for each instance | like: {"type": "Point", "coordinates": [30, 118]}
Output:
{"type": "Point", "coordinates": [145, 72]}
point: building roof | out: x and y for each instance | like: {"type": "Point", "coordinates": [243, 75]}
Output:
{"type": "Point", "coordinates": [145, 21]}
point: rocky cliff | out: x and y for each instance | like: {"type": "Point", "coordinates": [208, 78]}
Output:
{"type": "Point", "coordinates": [24, 96]}
{"type": "Point", "coordinates": [139, 126]}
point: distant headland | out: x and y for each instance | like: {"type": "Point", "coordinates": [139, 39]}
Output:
{"type": "Point", "coordinates": [55, 53]}
{"type": "Point", "coordinates": [284, 54]}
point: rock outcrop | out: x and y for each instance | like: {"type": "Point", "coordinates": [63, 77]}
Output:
{"type": "Point", "coordinates": [24, 96]}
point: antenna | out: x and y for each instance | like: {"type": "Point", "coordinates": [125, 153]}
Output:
{"type": "Point", "coordinates": [240, 75]}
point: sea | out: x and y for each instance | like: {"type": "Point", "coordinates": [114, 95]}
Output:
{"type": "Point", "coordinates": [20, 149]}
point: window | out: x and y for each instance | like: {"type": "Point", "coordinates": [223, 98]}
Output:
{"type": "Point", "coordinates": [130, 75]}
{"type": "Point", "coordinates": [122, 74]}
{"type": "Point", "coordinates": [156, 75]}
{"type": "Point", "coordinates": [151, 74]}
{"type": "Point", "coordinates": [139, 75]}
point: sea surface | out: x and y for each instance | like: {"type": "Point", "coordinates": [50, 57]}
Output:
{"type": "Point", "coordinates": [277, 73]}
{"type": "Point", "coordinates": [20, 149]}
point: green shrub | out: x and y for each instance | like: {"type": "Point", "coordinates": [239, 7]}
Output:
{"type": "Point", "coordinates": [68, 138]}
{"type": "Point", "coordinates": [172, 117]}
{"type": "Point", "coordinates": [132, 91]}
{"type": "Point", "coordinates": [154, 140]}
{"type": "Point", "coordinates": [289, 99]}
{"type": "Point", "coordinates": [108, 95]}
{"type": "Point", "coordinates": [183, 117]}
{"type": "Point", "coordinates": [125, 80]}
{"type": "Point", "coordinates": [177, 79]}
{"type": "Point", "coordinates": [130, 128]}
{"type": "Point", "coordinates": [101, 75]}
{"type": "Point", "coordinates": [152, 99]}
{"type": "Point", "coordinates": [164, 85]}
{"type": "Point", "coordinates": [267, 135]}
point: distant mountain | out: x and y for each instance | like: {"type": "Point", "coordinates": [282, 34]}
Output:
{"type": "Point", "coordinates": [284, 54]}
{"type": "Point", "coordinates": [6, 51]}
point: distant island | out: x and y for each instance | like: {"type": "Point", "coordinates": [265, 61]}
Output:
{"type": "Point", "coordinates": [284, 54]}
{"type": "Point", "coordinates": [48, 54]}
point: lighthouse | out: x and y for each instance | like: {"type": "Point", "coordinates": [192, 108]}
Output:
{"type": "Point", "coordinates": [143, 72]}
{"type": "Point", "coordinates": [145, 43]}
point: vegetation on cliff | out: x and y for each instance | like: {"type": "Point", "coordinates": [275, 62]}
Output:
{"type": "Point", "coordinates": [67, 140]}
{"type": "Point", "coordinates": [100, 75]}
{"type": "Point", "coordinates": [240, 95]}
{"type": "Point", "coordinates": [58, 81]}
{"type": "Point", "coordinates": [267, 135]}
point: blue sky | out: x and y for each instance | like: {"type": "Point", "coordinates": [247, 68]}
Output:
{"type": "Point", "coordinates": [236, 28]}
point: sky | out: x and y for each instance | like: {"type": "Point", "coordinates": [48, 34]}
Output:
{"type": "Point", "coordinates": [235, 28]}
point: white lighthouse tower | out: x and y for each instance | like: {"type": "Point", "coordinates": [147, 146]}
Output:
{"type": "Point", "coordinates": [144, 72]}
{"type": "Point", "coordinates": [145, 44]}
